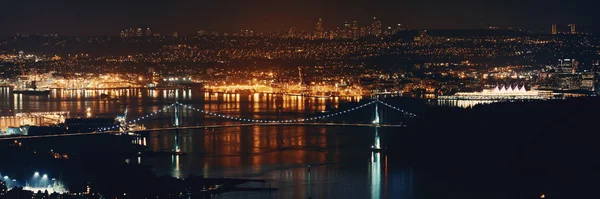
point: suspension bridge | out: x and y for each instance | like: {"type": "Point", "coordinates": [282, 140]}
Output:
{"type": "Point", "coordinates": [123, 125]}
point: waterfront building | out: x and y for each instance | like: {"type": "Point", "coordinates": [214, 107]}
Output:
{"type": "Point", "coordinates": [502, 93]}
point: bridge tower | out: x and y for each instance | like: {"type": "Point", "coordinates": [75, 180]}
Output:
{"type": "Point", "coordinates": [122, 119]}
{"type": "Point", "coordinates": [176, 125]}
{"type": "Point", "coordinates": [376, 121]}
{"type": "Point", "coordinates": [377, 143]}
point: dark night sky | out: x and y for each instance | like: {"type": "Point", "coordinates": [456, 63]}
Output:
{"type": "Point", "coordinates": [108, 17]}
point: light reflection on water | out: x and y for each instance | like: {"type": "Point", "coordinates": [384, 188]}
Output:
{"type": "Point", "coordinates": [461, 103]}
{"type": "Point", "coordinates": [145, 100]}
{"type": "Point", "coordinates": [340, 157]}
{"type": "Point", "coordinates": [342, 164]}
{"type": "Point", "coordinates": [375, 174]}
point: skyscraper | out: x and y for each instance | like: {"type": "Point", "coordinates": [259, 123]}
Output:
{"type": "Point", "coordinates": [347, 31]}
{"type": "Point", "coordinates": [148, 32]}
{"type": "Point", "coordinates": [139, 32]}
{"type": "Point", "coordinates": [573, 31]}
{"type": "Point", "coordinates": [319, 29]}
{"type": "Point", "coordinates": [375, 28]}
{"type": "Point", "coordinates": [574, 66]}
{"type": "Point", "coordinates": [554, 31]}
{"type": "Point", "coordinates": [355, 30]}
{"type": "Point", "coordinates": [291, 32]}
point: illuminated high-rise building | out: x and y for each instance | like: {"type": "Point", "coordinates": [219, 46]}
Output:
{"type": "Point", "coordinates": [573, 31]}
{"type": "Point", "coordinates": [319, 29]}
{"type": "Point", "coordinates": [567, 66]}
{"type": "Point", "coordinates": [574, 66]}
{"type": "Point", "coordinates": [554, 30]}
{"type": "Point", "coordinates": [130, 32]}
{"type": "Point", "coordinates": [291, 32]}
{"type": "Point", "coordinates": [139, 32]}
{"type": "Point", "coordinates": [347, 31]}
{"type": "Point", "coordinates": [355, 30]}
{"type": "Point", "coordinates": [388, 31]}
{"type": "Point", "coordinates": [375, 28]}
{"type": "Point", "coordinates": [148, 32]}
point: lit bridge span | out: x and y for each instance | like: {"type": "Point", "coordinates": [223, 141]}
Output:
{"type": "Point", "coordinates": [123, 125]}
{"type": "Point", "coordinates": [257, 124]}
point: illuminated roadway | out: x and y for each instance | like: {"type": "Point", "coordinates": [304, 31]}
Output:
{"type": "Point", "coordinates": [202, 127]}
{"type": "Point", "coordinates": [261, 124]}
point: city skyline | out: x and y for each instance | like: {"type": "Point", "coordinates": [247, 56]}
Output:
{"type": "Point", "coordinates": [186, 17]}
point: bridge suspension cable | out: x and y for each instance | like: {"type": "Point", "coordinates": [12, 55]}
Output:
{"type": "Point", "coordinates": [397, 109]}
{"type": "Point", "coordinates": [139, 118]}
{"type": "Point", "coordinates": [257, 120]}
{"type": "Point", "coordinates": [277, 121]}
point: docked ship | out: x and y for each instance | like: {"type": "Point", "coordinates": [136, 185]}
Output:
{"type": "Point", "coordinates": [502, 93]}
{"type": "Point", "coordinates": [30, 88]}
{"type": "Point", "coordinates": [31, 92]}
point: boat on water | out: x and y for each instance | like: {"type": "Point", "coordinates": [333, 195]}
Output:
{"type": "Point", "coordinates": [31, 89]}
{"type": "Point", "coordinates": [31, 92]}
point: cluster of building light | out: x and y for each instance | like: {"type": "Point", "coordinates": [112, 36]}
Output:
{"type": "Point", "coordinates": [177, 79]}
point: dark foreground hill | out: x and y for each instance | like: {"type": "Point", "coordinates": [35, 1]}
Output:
{"type": "Point", "coordinates": [512, 150]}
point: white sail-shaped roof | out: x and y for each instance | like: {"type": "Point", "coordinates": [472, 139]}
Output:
{"type": "Point", "coordinates": [522, 89]}
{"type": "Point", "coordinates": [514, 91]}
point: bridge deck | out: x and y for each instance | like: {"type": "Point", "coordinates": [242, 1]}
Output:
{"type": "Point", "coordinates": [265, 124]}
{"type": "Point", "coordinates": [205, 127]}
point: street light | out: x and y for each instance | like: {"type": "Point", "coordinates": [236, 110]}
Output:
{"type": "Point", "coordinates": [6, 177]}
{"type": "Point", "coordinates": [45, 176]}
{"type": "Point", "coordinates": [36, 174]}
